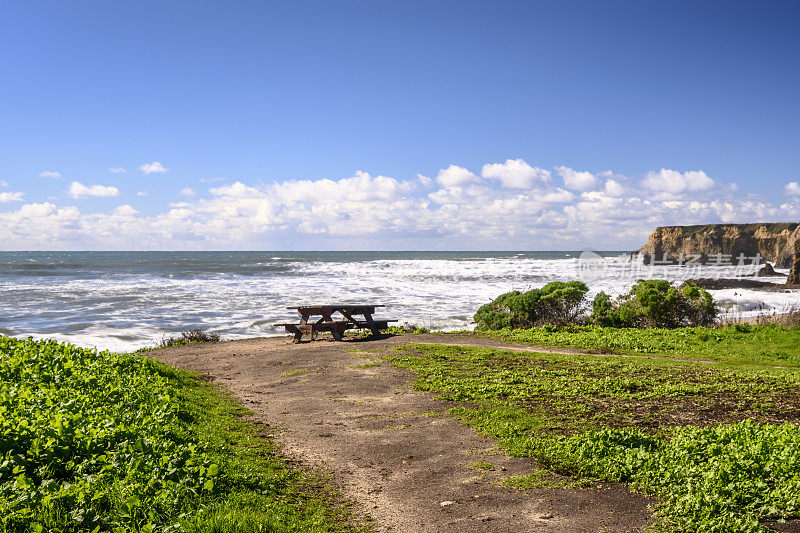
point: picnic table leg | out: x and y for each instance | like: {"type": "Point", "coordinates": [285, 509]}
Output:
{"type": "Point", "coordinates": [297, 332]}
{"type": "Point", "coordinates": [371, 324]}
{"type": "Point", "coordinates": [337, 335]}
{"type": "Point", "coordinates": [303, 316]}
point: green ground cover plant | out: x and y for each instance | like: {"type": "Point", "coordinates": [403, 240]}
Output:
{"type": "Point", "coordinates": [720, 447]}
{"type": "Point", "coordinates": [119, 442]}
{"type": "Point", "coordinates": [741, 344]}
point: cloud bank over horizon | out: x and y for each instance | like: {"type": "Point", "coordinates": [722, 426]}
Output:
{"type": "Point", "coordinates": [511, 205]}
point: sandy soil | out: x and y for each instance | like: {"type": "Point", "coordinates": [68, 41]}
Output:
{"type": "Point", "coordinates": [391, 449]}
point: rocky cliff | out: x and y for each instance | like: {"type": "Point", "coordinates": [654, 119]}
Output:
{"type": "Point", "coordinates": [794, 274]}
{"type": "Point", "coordinates": [776, 242]}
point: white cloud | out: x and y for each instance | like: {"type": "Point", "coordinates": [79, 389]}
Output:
{"type": "Point", "coordinates": [153, 168]}
{"type": "Point", "coordinates": [362, 187]}
{"type": "Point", "coordinates": [6, 197]}
{"type": "Point", "coordinates": [792, 188]}
{"type": "Point", "coordinates": [141, 193]}
{"type": "Point", "coordinates": [187, 191]}
{"type": "Point", "coordinates": [49, 174]}
{"type": "Point", "coordinates": [516, 174]}
{"type": "Point", "coordinates": [457, 209]}
{"type": "Point", "coordinates": [3, 183]}
{"type": "Point", "coordinates": [117, 170]}
{"type": "Point", "coordinates": [125, 211]}
{"type": "Point", "coordinates": [578, 181]}
{"type": "Point", "coordinates": [673, 182]}
{"type": "Point", "coordinates": [79, 190]}
{"type": "Point", "coordinates": [36, 210]}
{"type": "Point", "coordinates": [613, 188]}
{"type": "Point", "coordinates": [237, 190]}
{"type": "Point", "coordinates": [455, 176]}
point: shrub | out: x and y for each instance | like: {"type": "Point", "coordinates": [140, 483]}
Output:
{"type": "Point", "coordinates": [189, 337]}
{"type": "Point", "coordinates": [656, 303]}
{"type": "Point", "coordinates": [556, 303]}
{"type": "Point", "coordinates": [406, 327]}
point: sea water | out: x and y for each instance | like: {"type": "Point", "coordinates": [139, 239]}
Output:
{"type": "Point", "coordinates": [125, 300]}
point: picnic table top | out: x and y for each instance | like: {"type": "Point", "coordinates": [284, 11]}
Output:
{"type": "Point", "coordinates": [336, 306]}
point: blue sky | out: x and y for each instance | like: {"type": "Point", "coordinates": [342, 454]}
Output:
{"type": "Point", "coordinates": [436, 125]}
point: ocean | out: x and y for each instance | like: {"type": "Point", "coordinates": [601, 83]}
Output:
{"type": "Point", "coordinates": [122, 301]}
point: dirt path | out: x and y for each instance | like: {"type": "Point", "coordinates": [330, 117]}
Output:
{"type": "Point", "coordinates": [392, 449]}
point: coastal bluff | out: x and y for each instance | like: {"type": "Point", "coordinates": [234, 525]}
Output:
{"type": "Point", "coordinates": [776, 242]}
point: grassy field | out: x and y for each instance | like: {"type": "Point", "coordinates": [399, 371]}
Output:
{"type": "Point", "coordinates": [107, 442]}
{"type": "Point", "coordinates": [737, 345]}
{"type": "Point", "coordinates": [718, 444]}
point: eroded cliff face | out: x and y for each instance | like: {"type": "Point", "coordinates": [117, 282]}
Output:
{"type": "Point", "coordinates": [776, 242]}
{"type": "Point", "coordinates": [794, 274]}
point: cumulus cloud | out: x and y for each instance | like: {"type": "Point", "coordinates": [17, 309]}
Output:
{"type": "Point", "coordinates": [125, 211]}
{"type": "Point", "coordinates": [117, 170]}
{"type": "Point", "coordinates": [455, 176]}
{"type": "Point", "coordinates": [187, 191]}
{"type": "Point", "coordinates": [6, 197]}
{"type": "Point", "coordinates": [36, 210]}
{"type": "Point", "coordinates": [673, 182]}
{"type": "Point", "coordinates": [613, 188]}
{"type": "Point", "coordinates": [236, 190]}
{"type": "Point", "coordinates": [578, 181]}
{"type": "Point", "coordinates": [141, 193]}
{"type": "Point", "coordinates": [424, 181]}
{"type": "Point", "coordinates": [79, 190]}
{"type": "Point", "coordinates": [49, 174]}
{"type": "Point", "coordinates": [792, 188]}
{"type": "Point", "coordinates": [153, 168]}
{"type": "Point", "coordinates": [516, 174]}
{"type": "Point", "coordinates": [509, 205]}
{"type": "Point", "coordinates": [3, 183]}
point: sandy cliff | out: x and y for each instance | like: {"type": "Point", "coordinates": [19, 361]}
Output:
{"type": "Point", "coordinates": [794, 274]}
{"type": "Point", "coordinates": [776, 242]}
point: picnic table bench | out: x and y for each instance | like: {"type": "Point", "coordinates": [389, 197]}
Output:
{"type": "Point", "coordinates": [335, 327]}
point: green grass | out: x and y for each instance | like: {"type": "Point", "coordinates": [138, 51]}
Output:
{"type": "Point", "coordinates": [107, 442]}
{"type": "Point", "coordinates": [758, 345]}
{"type": "Point", "coordinates": [539, 479]}
{"type": "Point", "coordinates": [719, 446]}
{"type": "Point", "coordinates": [483, 465]}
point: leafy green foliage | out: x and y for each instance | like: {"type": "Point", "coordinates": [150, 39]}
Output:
{"type": "Point", "coordinates": [628, 419]}
{"type": "Point", "coordinates": [649, 304]}
{"type": "Point", "coordinates": [556, 303]}
{"type": "Point", "coordinates": [656, 303]}
{"type": "Point", "coordinates": [92, 440]}
{"type": "Point", "coordinates": [98, 442]}
{"type": "Point", "coordinates": [720, 478]}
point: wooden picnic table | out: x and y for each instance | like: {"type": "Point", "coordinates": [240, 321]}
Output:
{"type": "Point", "coordinates": [337, 328]}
